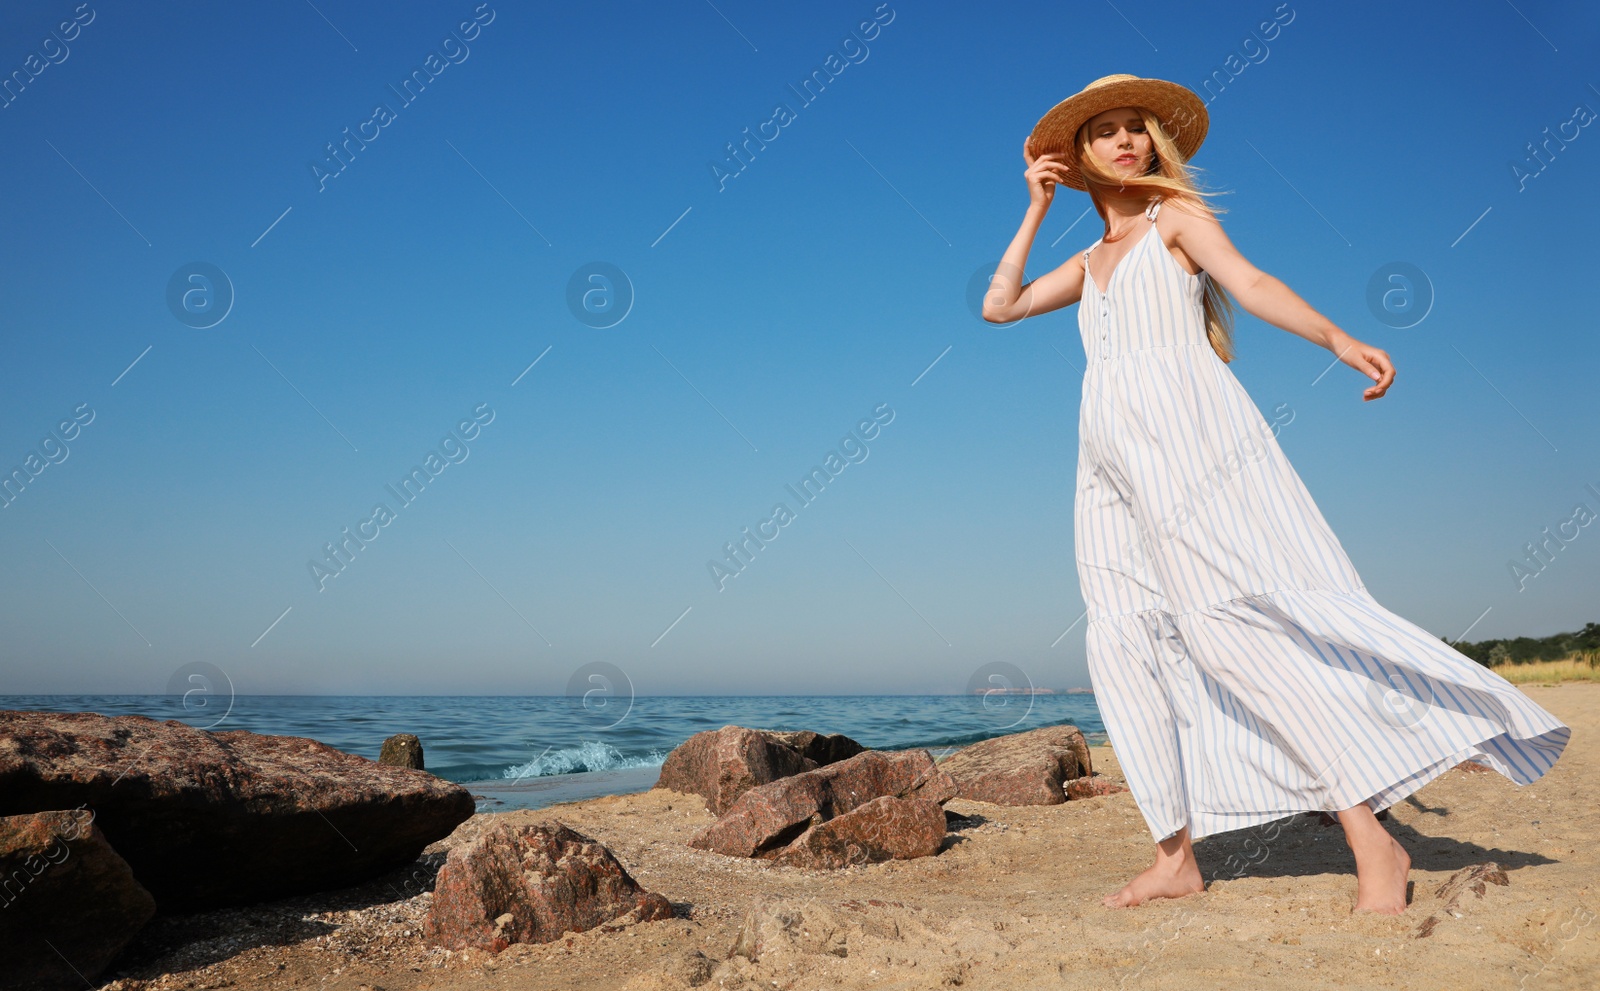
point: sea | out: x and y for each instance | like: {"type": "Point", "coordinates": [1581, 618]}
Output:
{"type": "Point", "coordinates": [529, 752]}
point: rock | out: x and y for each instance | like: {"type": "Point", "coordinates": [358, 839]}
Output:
{"type": "Point", "coordinates": [532, 883]}
{"type": "Point", "coordinates": [824, 750]}
{"type": "Point", "coordinates": [772, 815]}
{"type": "Point", "coordinates": [720, 765]}
{"type": "Point", "coordinates": [68, 903]}
{"type": "Point", "coordinates": [209, 819]}
{"type": "Point", "coordinates": [886, 828]}
{"type": "Point", "coordinates": [1091, 786]}
{"type": "Point", "coordinates": [402, 750]}
{"type": "Point", "coordinates": [1029, 768]}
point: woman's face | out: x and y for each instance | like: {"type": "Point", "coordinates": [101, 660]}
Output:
{"type": "Point", "coordinates": [1119, 140]}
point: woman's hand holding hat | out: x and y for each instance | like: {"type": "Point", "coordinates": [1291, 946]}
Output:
{"type": "Point", "coordinates": [1044, 171]}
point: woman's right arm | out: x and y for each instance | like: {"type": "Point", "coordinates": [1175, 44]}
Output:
{"type": "Point", "coordinates": [1007, 299]}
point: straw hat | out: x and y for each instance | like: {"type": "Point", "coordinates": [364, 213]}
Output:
{"type": "Point", "coordinates": [1182, 114]}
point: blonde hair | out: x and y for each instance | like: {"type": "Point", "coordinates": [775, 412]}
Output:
{"type": "Point", "coordinates": [1172, 178]}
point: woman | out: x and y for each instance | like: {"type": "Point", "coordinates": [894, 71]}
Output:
{"type": "Point", "coordinates": [1242, 668]}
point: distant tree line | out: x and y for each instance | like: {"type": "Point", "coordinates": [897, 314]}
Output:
{"type": "Point", "coordinates": [1525, 650]}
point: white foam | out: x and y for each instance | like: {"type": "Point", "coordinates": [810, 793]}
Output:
{"type": "Point", "coordinates": [595, 755]}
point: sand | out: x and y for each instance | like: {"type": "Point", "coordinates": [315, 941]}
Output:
{"type": "Point", "coordinates": [1012, 902]}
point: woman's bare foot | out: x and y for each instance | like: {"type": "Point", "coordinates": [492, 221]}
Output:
{"type": "Point", "coordinates": [1174, 874]}
{"type": "Point", "coordinates": [1157, 881]}
{"type": "Point", "coordinates": [1382, 864]}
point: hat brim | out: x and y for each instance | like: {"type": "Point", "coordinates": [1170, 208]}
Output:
{"type": "Point", "coordinates": [1182, 114]}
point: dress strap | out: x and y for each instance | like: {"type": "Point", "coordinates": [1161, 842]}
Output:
{"type": "Point", "coordinates": [1152, 210]}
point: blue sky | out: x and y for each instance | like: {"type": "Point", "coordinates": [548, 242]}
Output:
{"type": "Point", "coordinates": [771, 312]}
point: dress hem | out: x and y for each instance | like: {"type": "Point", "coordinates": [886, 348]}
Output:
{"type": "Point", "coordinates": [1227, 822]}
{"type": "Point", "coordinates": [1218, 704]}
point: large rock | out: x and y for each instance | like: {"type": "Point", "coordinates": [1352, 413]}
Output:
{"type": "Point", "coordinates": [1029, 768]}
{"type": "Point", "coordinates": [720, 765]}
{"type": "Point", "coordinates": [210, 819]}
{"type": "Point", "coordinates": [769, 817]}
{"type": "Point", "coordinates": [68, 903]}
{"type": "Point", "coordinates": [886, 828]}
{"type": "Point", "coordinates": [531, 883]}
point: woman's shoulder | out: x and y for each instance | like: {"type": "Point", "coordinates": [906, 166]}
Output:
{"type": "Point", "coordinates": [1186, 210]}
{"type": "Point", "coordinates": [1183, 219]}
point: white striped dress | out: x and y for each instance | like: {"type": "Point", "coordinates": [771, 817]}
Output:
{"type": "Point", "coordinates": [1242, 669]}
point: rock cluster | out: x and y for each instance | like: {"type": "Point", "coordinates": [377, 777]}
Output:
{"type": "Point", "coordinates": [799, 799]}
{"type": "Point", "coordinates": [826, 802]}
{"type": "Point", "coordinates": [720, 765]}
{"type": "Point", "coordinates": [209, 819]}
{"type": "Point", "coordinates": [874, 806]}
{"type": "Point", "coordinates": [107, 820]}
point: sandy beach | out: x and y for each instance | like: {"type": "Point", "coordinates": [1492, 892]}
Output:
{"type": "Point", "coordinates": [1011, 901]}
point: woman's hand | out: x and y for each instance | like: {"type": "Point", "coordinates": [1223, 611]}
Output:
{"type": "Point", "coordinates": [1044, 171]}
{"type": "Point", "coordinates": [1372, 362]}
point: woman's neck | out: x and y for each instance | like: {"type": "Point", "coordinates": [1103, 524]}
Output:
{"type": "Point", "coordinates": [1122, 209]}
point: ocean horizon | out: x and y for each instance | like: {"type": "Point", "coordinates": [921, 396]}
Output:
{"type": "Point", "coordinates": [530, 751]}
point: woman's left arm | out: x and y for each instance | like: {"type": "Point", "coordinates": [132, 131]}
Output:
{"type": "Point", "coordinates": [1268, 298]}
